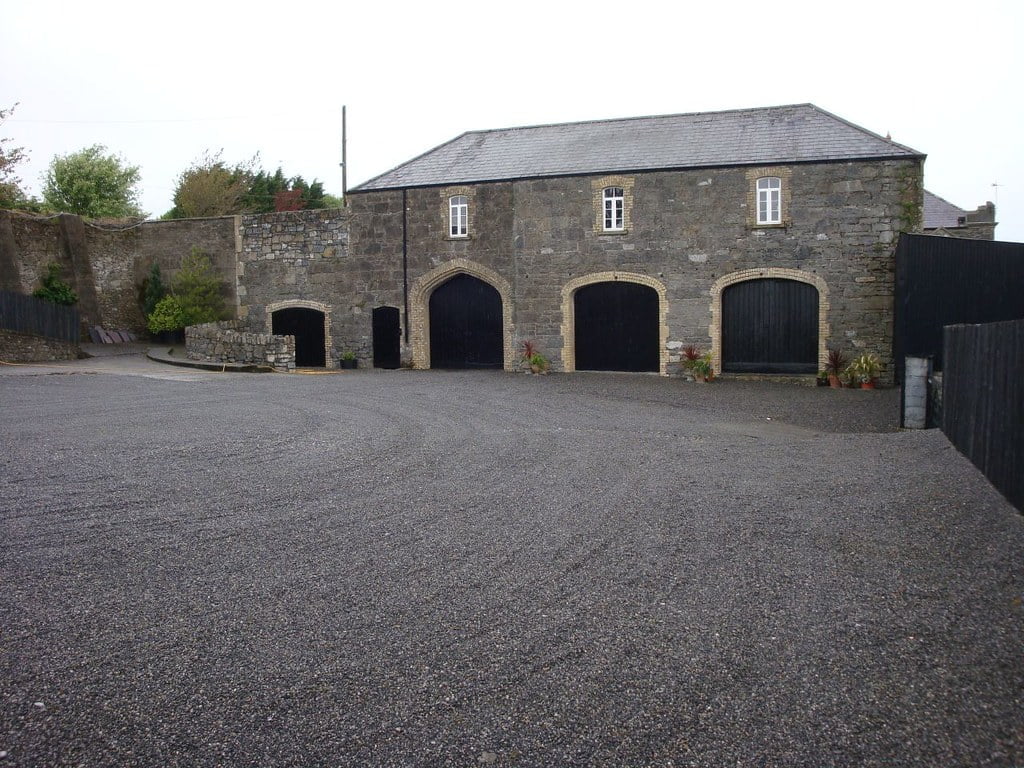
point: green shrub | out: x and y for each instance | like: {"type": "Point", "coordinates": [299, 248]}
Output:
{"type": "Point", "coordinates": [167, 315]}
{"type": "Point", "coordinates": [54, 289]}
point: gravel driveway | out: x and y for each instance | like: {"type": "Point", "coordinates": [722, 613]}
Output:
{"type": "Point", "coordinates": [469, 569]}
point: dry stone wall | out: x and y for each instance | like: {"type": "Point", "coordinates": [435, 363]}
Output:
{"type": "Point", "coordinates": [223, 342]}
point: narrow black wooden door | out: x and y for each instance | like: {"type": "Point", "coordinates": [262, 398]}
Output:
{"type": "Point", "coordinates": [386, 338]}
{"type": "Point", "coordinates": [465, 325]}
{"type": "Point", "coordinates": [307, 326]}
{"type": "Point", "coordinates": [770, 326]}
{"type": "Point", "coordinates": [616, 327]}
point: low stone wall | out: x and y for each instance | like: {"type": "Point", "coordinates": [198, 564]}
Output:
{"type": "Point", "coordinates": [29, 348]}
{"type": "Point", "coordinates": [228, 342]}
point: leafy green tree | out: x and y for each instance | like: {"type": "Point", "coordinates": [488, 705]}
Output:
{"type": "Point", "coordinates": [209, 187]}
{"type": "Point", "coordinates": [11, 194]}
{"type": "Point", "coordinates": [199, 290]}
{"type": "Point", "coordinates": [54, 289]}
{"type": "Point", "coordinates": [92, 183]}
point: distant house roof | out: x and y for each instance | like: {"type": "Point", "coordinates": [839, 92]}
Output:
{"type": "Point", "coordinates": [939, 213]}
{"type": "Point", "coordinates": [788, 134]}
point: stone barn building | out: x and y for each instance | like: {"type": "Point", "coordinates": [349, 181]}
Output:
{"type": "Point", "coordinates": [763, 235]}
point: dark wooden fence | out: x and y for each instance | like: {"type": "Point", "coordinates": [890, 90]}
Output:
{"type": "Point", "coordinates": [983, 401]}
{"type": "Point", "coordinates": [944, 281]}
{"type": "Point", "coordinates": [27, 314]}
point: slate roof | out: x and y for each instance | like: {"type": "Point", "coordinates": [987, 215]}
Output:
{"type": "Point", "coordinates": [789, 134]}
{"type": "Point", "coordinates": [939, 213]}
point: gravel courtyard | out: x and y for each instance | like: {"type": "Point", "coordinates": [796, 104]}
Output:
{"type": "Point", "coordinates": [468, 569]}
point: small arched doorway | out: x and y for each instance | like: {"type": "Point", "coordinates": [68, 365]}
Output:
{"type": "Point", "coordinates": [307, 326]}
{"type": "Point", "coordinates": [770, 325]}
{"type": "Point", "coordinates": [616, 327]}
{"type": "Point", "coordinates": [466, 324]}
{"type": "Point", "coordinates": [387, 337]}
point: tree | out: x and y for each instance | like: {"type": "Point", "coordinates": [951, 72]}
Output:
{"type": "Point", "coordinates": [92, 183]}
{"type": "Point", "coordinates": [210, 188]}
{"type": "Point", "coordinates": [11, 195]}
{"type": "Point", "coordinates": [198, 290]}
{"type": "Point", "coordinates": [153, 290]}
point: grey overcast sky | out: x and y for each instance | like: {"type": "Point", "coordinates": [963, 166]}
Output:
{"type": "Point", "coordinates": [161, 84]}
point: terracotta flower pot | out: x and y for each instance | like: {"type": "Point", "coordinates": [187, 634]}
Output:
{"type": "Point", "coordinates": [834, 382]}
{"type": "Point", "coordinates": [867, 384]}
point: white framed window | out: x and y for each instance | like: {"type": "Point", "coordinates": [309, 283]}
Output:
{"type": "Point", "coordinates": [614, 208]}
{"type": "Point", "coordinates": [458, 216]}
{"type": "Point", "coordinates": [769, 200]}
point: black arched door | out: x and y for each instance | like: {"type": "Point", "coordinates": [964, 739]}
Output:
{"type": "Point", "coordinates": [387, 337]}
{"type": "Point", "coordinates": [465, 325]}
{"type": "Point", "coordinates": [616, 327]}
{"type": "Point", "coordinates": [307, 326]}
{"type": "Point", "coordinates": [770, 326]}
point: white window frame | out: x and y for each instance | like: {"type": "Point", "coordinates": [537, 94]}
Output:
{"type": "Point", "coordinates": [769, 200]}
{"type": "Point", "coordinates": [614, 210]}
{"type": "Point", "coordinates": [458, 216]}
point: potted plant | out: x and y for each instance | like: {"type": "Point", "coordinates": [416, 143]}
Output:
{"type": "Point", "coordinates": [533, 359]}
{"type": "Point", "coordinates": [349, 360]}
{"type": "Point", "coordinates": [835, 367]}
{"type": "Point", "coordinates": [691, 354]}
{"type": "Point", "coordinates": [702, 370]}
{"type": "Point", "coordinates": [539, 363]}
{"type": "Point", "coordinates": [866, 368]}
{"type": "Point", "coordinates": [822, 378]}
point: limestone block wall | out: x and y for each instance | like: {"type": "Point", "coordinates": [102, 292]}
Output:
{"type": "Point", "coordinates": [224, 342]}
{"type": "Point", "coordinates": [691, 231]}
{"type": "Point", "coordinates": [304, 259]}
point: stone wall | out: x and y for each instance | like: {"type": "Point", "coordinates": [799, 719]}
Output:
{"type": "Point", "coordinates": [224, 342]}
{"type": "Point", "coordinates": [29, 348]}
{"type": "Point", "coordinates": [689, 233]}
{"type": "Point", "coordinates": [304, 259]}
{"type": "Point", "coordinates": [107, 262]}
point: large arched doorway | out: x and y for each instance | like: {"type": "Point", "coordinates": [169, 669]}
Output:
{"type": "Point", "coordinates": [307, 326]}
{"type": "Point", "coordinates": [466, 324]}
{"type": "Point", "coordinates": [616, 327]}
{"type": "Point", "coordinates": [770, 325]}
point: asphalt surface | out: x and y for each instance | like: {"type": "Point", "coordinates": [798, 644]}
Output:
{"type": "Point", "coordinates": [467, 569]}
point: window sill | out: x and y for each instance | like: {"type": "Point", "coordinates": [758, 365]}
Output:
{"type": "Point", "coordinates": [780, 225]}
{"type": "Point", "coordinates": [458, 237]}
{"type": "Point", "coordinates": [613, 232]}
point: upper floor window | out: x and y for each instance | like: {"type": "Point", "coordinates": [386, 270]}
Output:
{"type": "Point", "coordinates": [769, 200]}
{"type": "Point", "coordinates": [614, 208]}
{"type": "Point", "coordinates": [458, 216]}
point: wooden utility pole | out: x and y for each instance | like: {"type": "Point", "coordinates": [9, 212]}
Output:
{"type": "Point", "coordinates": [344, 159]}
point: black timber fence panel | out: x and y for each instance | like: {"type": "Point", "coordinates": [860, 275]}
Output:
{"type": "Point", "coordinates": [944, 281]}
{"type": "Point", "coordinates": [27, 314]}
{"type": "Point", "coordinates": [983, 401]}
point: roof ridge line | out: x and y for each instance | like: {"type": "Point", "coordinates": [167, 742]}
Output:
{"type": "Point", "coordinates": [641, 117]}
